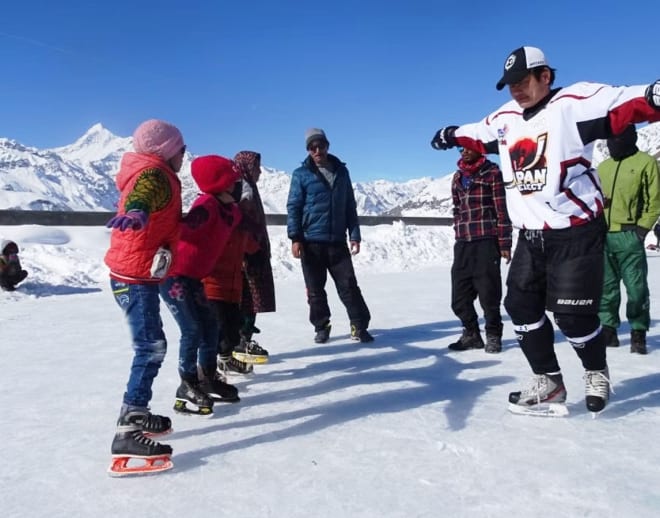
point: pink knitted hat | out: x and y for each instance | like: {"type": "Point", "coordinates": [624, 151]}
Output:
{"type": "Point", "coordinates": [156, 137]}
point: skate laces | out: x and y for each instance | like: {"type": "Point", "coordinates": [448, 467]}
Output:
{"type": "Point", "coordinates": [154, 423]}
{"type": "Point", "coordinates": [539, 386]}
{"type": "Point", "coordinates": [253, 347]}
{"type": "Point", "coordinates": [140, 438]}
{"type": "Point", "coordinates": [598, 383]}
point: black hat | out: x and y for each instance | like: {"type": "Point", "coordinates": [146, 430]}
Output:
{"type": "Point", "coordinates": [519, 63]}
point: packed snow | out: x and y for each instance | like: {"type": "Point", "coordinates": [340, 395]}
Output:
{"type": "Point", "coordinates": [398, 428]}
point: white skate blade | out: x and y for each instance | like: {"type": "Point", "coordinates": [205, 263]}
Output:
{"type": "Point", "coordinates": [540, 410]}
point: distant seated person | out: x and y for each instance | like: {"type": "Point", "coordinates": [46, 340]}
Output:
{"type": "Point", "coordinates": [656, 231]}
{"type": "Point", "coordinates": [11, 272]}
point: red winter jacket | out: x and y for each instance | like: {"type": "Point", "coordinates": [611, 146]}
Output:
{"type": "Point", "coordinates": [201, 244]}
{"type": "Point", "coordinates": [226, 280]}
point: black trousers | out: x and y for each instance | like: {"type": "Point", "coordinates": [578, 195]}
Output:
{"type": "Point", "coordinates": [230, 319]}
{"type": "Point", "coordinates": [475, 272]}
{"type": "Point", "coordinates": [317, 260]}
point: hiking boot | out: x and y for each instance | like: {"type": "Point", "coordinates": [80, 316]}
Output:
{"type": "Point", "coordinates": [470, 339]}
{"type": "Point", "coordinates": [249, 351]}
{"type": "Point", "coordinates": [493, 344]}
{"type": "Point", "coordinates": [597, 388]}
{"type": "Point", "coordinates": [323, 334]}
{"type": "Point", "coordinates": [609, 336]}
{"type": "Point", "coordinates": [546, 388]}
{"type": "Point", "coordinates": [638, 341]}
{"type": "Point", "coordinates": [361, 335]}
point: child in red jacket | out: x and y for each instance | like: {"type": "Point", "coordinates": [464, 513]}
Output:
{"type": "Point", "coordinates": [205, 233]}
{"type": "Point", "coordinates": [224, 288]}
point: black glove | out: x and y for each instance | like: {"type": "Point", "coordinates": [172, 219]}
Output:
{"type": "Point", "coordinates": [653, 94]}
{"type": "Point", "coordinates": [641, 233]}
{"type": "Point", "coordinates": [444, 138]}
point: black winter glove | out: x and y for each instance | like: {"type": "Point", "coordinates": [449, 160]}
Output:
{"type": "Point", "coordinates": [653, 94]}
{"type": "Point", "coordinates": [444, 138]}
{"type": "Point", "coordinates": [641, 233]}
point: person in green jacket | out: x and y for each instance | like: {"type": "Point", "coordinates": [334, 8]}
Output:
{"type": "Point", "coordinates": [631, 186]}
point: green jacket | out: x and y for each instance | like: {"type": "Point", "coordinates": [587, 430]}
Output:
{"type": "Point", "coordinates": [632, 191]}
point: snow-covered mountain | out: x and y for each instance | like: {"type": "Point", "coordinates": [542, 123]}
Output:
{"type": "Point", "coordinates": [80, 176]}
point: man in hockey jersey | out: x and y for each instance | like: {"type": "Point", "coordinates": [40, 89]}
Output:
{"type": "Point", "coordinates": [544, 137]}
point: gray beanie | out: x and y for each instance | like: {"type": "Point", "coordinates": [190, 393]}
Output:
{"type": "Point", "coordinates": [315, 134]}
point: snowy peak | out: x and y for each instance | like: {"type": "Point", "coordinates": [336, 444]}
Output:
{"type": "Point", "coordinates": [95, 145]}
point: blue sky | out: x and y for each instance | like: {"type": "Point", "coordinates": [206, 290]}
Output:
{"type": "Point", "coordinates": [379, 77]}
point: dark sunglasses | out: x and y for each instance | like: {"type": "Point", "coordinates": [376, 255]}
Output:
{"type": "Point", "coordinates": [183, 150]}
{"type": "Point", "coordinates": [317, 147]}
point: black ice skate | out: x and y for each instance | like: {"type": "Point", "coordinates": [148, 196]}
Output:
{"type": "Point", "coordinates": [191, 400]}
{"type": "Point", "coordinates": [217, 388]}
{"type": "Point", "coordinates": [152, 425]}
{"type": "Point", "coordinates": [135, 454]}
{"type": "Point", "coordinates": [249, 351]}
{"type": "Point", "coordinates": [227, 365]}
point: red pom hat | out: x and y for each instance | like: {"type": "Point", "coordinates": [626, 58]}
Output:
{"type": "Point", "coordinates": [214, 174]}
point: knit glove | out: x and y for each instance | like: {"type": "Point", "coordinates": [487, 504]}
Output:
{"type": "Point", "coordinates": [641, 233]}
{"type": "Point", "coordinates": [653, 94]}
{"type": "Point", "coordinates": [444, 138]}
{"type": "Point", "coordinates": [134, 219]}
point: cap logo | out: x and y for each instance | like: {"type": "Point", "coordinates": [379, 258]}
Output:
{"type": "Point", "coordinates": [510, 61]}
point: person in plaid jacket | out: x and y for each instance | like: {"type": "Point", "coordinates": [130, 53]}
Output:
{"type": "Point", "coordinates": [483, 238]}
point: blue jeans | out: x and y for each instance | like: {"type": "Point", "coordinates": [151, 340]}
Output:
{"type": "Point", "coordinates": [199, 326]}
{"type": "Point", "coordinates": [141, 306]}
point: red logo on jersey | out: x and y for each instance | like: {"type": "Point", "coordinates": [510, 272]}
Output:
{"type": "Point", "coordinates": [529, 164]}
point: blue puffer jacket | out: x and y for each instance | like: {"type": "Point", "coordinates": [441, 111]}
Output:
{"type": "Point", "coordinates": [317, 212]}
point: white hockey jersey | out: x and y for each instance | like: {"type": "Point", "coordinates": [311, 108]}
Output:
{"type": "Point", "coordinates": [546, 153]}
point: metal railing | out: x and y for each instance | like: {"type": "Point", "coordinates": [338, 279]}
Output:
{"type": "Point", "coordinates": [92, 219]}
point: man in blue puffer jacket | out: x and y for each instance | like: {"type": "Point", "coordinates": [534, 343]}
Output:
{"type": "Point", "coordinates": [320, 211]}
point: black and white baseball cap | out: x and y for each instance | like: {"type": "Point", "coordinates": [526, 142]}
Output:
{"type": "Point", "coordinates": [519, 63]}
